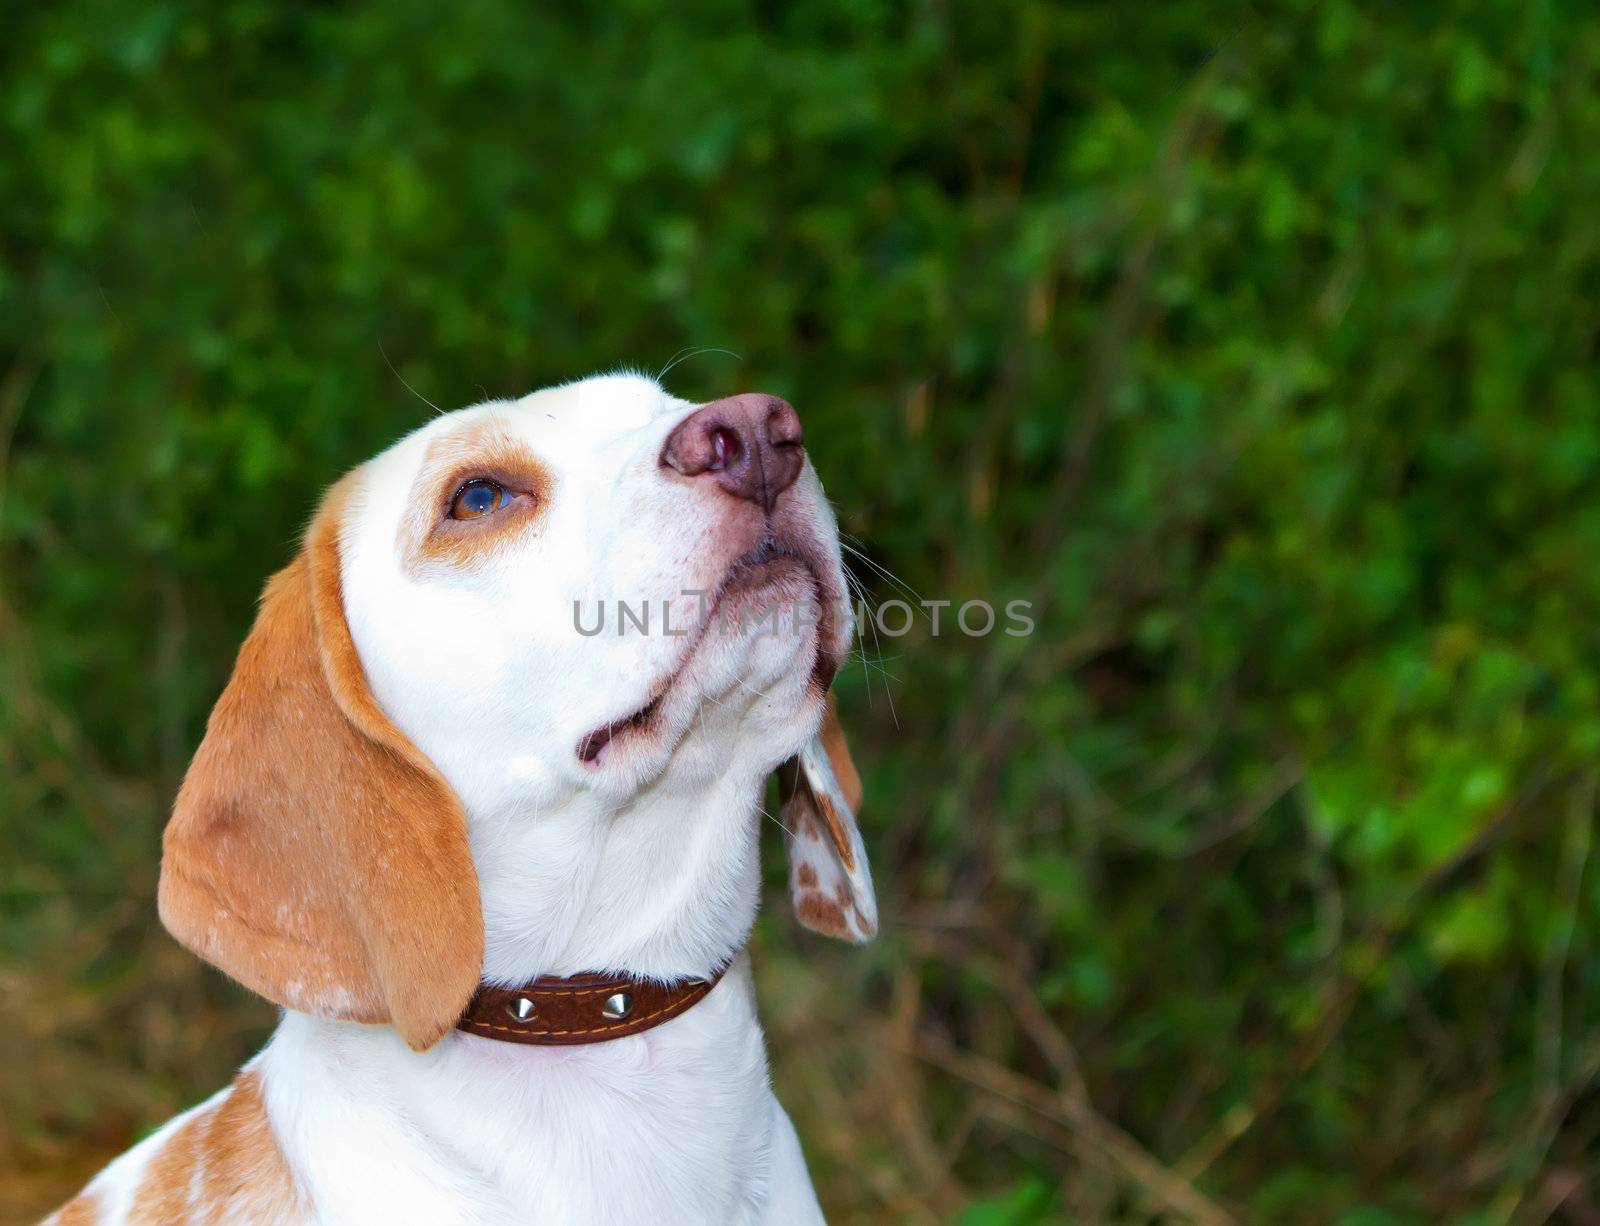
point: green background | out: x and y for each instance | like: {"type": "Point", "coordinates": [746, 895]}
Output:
{"type": "Point", "coordinates": [1257, 345]}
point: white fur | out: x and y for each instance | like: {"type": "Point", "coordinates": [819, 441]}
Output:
{"type": "Point", "coordinates": [646, 863]}
{"type": "Point", "coordinates": [677, 1124]}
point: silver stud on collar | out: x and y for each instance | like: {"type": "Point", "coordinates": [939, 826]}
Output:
{"type": "Point", "coordinates": [618, 1005]}
{"type": "Point", "coordinates": [520, 1009]}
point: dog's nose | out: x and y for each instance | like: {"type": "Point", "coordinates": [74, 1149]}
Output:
{"type": "Point", "coordinates": [748, 444]}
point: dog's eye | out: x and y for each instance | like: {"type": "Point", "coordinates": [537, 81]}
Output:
{"type": "Point", "coordinates": [477, 498]}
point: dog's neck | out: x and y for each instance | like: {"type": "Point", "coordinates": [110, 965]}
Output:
{"type": "Point", "coordinates": [664, 885]}
{"type": "Point", "coordinates": [474, 1122]}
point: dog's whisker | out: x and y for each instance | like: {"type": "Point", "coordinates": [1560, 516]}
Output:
{"type": "Point", "coordinates": [683, 355]}
{"type": "Point", "coordinates": [877, 646]}
{"type": "Point", "coordinates": [887, 574]}
{"type": "Point", "coordinates": [882, 570]}
{"type": "Point", "coordinates": [686, 352]}
{"type": "Point", "coordinates": [858, 649]}
{"type": "Point", "coordinates": [438, 412]}
{"type": "Point", "coordinates": [762, 809]}
{"type": "Point", "coordinates": [712, 699]}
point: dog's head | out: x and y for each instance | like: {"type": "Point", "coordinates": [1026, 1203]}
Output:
{"type": "Point", "coordinates": [527, 677]}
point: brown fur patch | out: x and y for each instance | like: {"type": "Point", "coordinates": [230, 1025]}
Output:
{"type": "Point", "coordinates": [162, 1197]}
{"type": "Point", "coordinates": [821, 915]}
{"type": "Point", "coordinates": [838, 751]}
{"type": "Point", "coordinates": [836, 829]}
{"type": "Point", "coordinates": [314, 853]}
{"type": "Point", "coordinates": [82, 1210]}
{"type": "Point", "coordinates": [222, 1166]}
{"type": "Point", "coordinates": [806, 876]}
{"type": "Point", "coordinates": [804, 821]}
{"type": "Point", "coordinates": [486, 449]}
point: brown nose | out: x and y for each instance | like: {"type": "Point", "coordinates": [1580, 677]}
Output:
{"type": "Point", "coordinates": [748, 444]}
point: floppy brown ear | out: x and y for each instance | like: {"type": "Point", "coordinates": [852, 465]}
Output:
{"type": "Point", "coordinates": [830, 884]}
{"type": "Point", "coordinates": [314, 853]}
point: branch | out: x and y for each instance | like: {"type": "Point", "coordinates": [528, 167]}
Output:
{"type": "Point", "coordinates": [1176, 1193]}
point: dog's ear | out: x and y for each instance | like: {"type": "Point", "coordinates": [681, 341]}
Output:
{"type": "Point", "coordinates": [830, 884]}
{"type": "Point", "coordinates": [314, 853]}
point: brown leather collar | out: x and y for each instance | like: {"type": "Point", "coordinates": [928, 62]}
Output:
{"type": "Point", "coordinates": [588, 1008]}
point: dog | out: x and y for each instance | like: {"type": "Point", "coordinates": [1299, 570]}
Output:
{"type": "Point", "coordinates": [495, 854]}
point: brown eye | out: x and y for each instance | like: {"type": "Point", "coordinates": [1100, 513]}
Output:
{"type": "Point", "coordinates": [477, 498]}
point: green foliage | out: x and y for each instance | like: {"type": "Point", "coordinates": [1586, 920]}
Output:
{"type": "Point", "coordinates": [1255, 345]}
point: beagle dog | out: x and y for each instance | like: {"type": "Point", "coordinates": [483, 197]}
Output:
{"type": "Point", "coordinates": [479, 808]}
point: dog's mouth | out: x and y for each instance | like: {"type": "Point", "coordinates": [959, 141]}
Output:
{"type": "Point", "coordinates": [765, 566]}
{"type": "Point", "coordinates": [593, 742]}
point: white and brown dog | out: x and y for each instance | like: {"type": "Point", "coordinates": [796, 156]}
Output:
{"type": "Point", "coordinates": [497, 867]}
